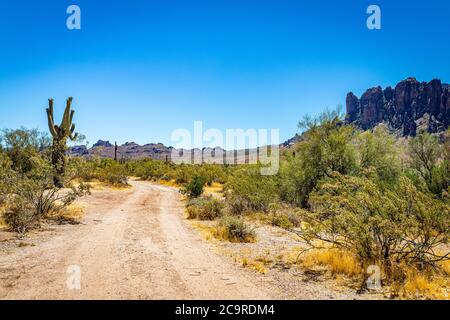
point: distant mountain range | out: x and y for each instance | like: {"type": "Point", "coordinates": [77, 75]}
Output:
{"type": "Point", "coordinates": [129, 150]}
{"type": "Point", "coordinates": [405, 109]}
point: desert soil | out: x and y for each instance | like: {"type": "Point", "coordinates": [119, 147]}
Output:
{"type": "Point", "coordinates": [136, 244]}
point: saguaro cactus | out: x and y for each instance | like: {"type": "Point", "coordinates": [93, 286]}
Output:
{"type": "Point", "coordinates": [60, 134]}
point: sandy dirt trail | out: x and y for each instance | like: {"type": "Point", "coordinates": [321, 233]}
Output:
{"type": "Point", "coordinates": [133, 244]}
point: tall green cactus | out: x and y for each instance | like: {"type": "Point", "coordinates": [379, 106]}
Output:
{"type": "Point", "coordinates": [60, 134]}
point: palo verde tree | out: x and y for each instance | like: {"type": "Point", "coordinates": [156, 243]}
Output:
{"type": "Point", "coordinates": [60, 134]}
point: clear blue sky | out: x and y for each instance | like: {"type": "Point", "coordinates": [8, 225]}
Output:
{"type": "Point", "coordinates": [140, 69]}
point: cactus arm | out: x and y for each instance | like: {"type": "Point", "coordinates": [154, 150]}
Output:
{"type": "Point", "coordinates": [65, 124]}
{"type": "Point", "coordinates": [73, 136]}
{"type": "Point", "coordinates": [51, 124]}
{"type": "Point", "coordinates": [50, 107]}
{"type": "Point", "coordinates": [71, 116]}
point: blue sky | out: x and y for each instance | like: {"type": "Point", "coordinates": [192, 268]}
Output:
{"type": "Point", "coordinates": [140, 69]}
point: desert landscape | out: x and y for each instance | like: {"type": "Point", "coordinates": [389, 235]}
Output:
{"type": "Point", "coordinates": [218, 158]}
{"type": "Point", "coordinates": [147, 228]}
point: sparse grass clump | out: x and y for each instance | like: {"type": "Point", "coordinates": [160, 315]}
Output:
{"type": "Point", "coordinates": [254, 265]}
{"type": "Point", "coordinates": [204, 208]}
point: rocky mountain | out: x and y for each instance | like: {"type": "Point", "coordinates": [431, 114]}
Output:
{"type": "Point", "coordinates": [129, 150]}
{"type": "Point", "coordinates": [410, 106]}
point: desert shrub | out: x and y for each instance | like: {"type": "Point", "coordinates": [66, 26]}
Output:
{"type": "Point", "coordinates": [118, 179]}
{"type": "Point", "coordinates": [152, 170]}
{"type": "Point", "coordinates": [281, 220]}
{"type": "Point", "coordinates": [294, 218]}
{"type": "Point", "coordinates": [234, 229]}
{"type": "Point", "coordinates": [204, 208]}
{"type": "Point", "coordinates": [184, 173]}
{"type": "Point", "coordinates": [5, 175]}
{"type": "Point", "coordinates": [325, 148]}
{"type": "Point", "coordinates": [377, 151]}
{"type": "Point", "coordinates": [385, 226]}
{"type": "Point", "coordinates": [430, 162]}
{"type": "Point", "coordinates": [32, 196]}
{"type": "Point", "coordinates": [104, 170]}
{"type": "Point", "coordinates": [195, 187]}
{"type": "Point", "coordinates": [249, 191]}
{"type": "Point", "coordinates": [212, 173]}
{"type": "Point", "coordinates": [22, 146]}
{"type": "Point", "coordinates": [112, 173]}
{"type": "Point", "coordinates": [284, 216]}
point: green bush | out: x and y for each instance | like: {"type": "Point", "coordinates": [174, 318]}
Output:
{"type": "Point", "coordinates": [281, 220]}
{"type": "Point", "coordinates": [204, 208]}
{"type": "Point", "coordinates": [325, 148]}
{"type": "Point", "coordinates": [430, 162]}
{"type": "Point", "coordinates": [105, 170]}
{"type": "Point", "coordinates": [249, 191]}
{"type": "Point", "coordinates": [152, 170]}
{"type": "Point", "coordinates": [195, 187]}
{"type": "Point", "coordinates": [22, 146]}
{"type": "Point", "coordinates": [377, 151]}
{"type": "Point", "coordinates": [235, 230]}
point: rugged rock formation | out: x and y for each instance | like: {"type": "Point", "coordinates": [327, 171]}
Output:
{"type": "Point", "coordinates": [406, 108]}
{"type": "Point", "coordinates": [101, 143]}
{"type": "Point", "coordinates": [129, 150]}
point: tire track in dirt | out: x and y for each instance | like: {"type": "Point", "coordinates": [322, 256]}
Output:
{"type": "Point", "coordinates": [134, 244]}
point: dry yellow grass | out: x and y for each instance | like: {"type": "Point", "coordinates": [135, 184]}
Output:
{"type": "Point", "coordinates": [261, 217]}
{"type": "Point", "coordinates": [101, 185]}
{"type": "Point", "coordinates": [2, 221]}
{"type": "Point", "coordinates": [337, 261]}
{"type": "Point", "coordinates": [445, 266]}
{"type": "Point", "coordinates": [254, 265]}
{"type": "Point", "coordinates": [170, 183]}
{"type": "Point", "coordinates": [72, 214]}
{"type": "Point", "coordinates": [423, 286]}
{"type": "Point", "coordinates": [217, 232]}
{"type": "Point", "coordinates": [214, 188]}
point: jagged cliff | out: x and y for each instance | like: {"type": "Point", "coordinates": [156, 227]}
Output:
{"type": "Point", "coordinates": [410, 106]}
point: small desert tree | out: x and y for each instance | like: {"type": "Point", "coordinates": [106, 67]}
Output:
{"type": "Point", "coordinates": [60, 134]}
{"type": "Point", "coordinates": [326, 148]}
{"type": "Point", "coordinates": [386, 226]}
{"type": "Point", "coordinates": [22, 145]}
{"type": "Point", "coordinates": [429, 160]}
{"type": "Point", "coordinates": [377, 150]}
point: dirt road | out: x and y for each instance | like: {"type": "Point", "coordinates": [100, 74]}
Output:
{"type": "Point", "coordinates": [133, 244]}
